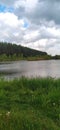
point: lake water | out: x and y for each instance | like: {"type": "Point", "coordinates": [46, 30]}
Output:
{"type": "Point", "coordinates": [45, 68]}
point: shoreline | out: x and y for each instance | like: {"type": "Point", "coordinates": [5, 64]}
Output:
{"type": "Point", "coordinates": [7, 61]}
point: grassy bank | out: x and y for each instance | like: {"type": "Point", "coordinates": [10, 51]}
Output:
{"type": "Point", "coordinates": [4, 58]}
{"type": "Point", "coordinates": [30, 104]}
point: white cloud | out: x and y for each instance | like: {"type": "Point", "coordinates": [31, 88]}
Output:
{"type": "Point", "coordinates": [30, 5]}
{"type": "Point", "coordinates": [19, 3]}
{"type": "Point", "coordinates": [9, 19]}
{"type": "Point", "coordinates": [11, 28]}
{"type": "Point", "coordinates": [7, 2]}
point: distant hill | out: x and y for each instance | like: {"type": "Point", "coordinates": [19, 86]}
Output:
{"type": "Point", "coordinates": [14, 49]}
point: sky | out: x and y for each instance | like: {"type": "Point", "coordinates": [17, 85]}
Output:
{"type": "Point", "coordinates": [31, 23]}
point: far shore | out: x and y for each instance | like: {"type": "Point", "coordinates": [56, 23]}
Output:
{"type": "Point", "coordinates": [12, 59]}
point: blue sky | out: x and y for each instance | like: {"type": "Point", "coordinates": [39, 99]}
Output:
{"type": "Point", "coordinates": [4, 8]}
{"type": "Point", "coordinates": [31, 23]}
{"type": "Point", "coordinates": [26, 24]}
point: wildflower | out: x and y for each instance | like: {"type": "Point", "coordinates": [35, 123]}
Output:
{"type": "Point", "coordinates": [8, 113]}
{"type": "Point", "coordinates": [53, 103]}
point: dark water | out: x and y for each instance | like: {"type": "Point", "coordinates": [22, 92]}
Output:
{"type": "Point", "coordinates": [18, 69]}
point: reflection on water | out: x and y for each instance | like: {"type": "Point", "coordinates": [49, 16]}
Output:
{"type": "Point", "coordinates": [18, 69]}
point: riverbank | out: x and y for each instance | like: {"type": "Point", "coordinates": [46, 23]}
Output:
{"type": "Point", "coordinates": [5, 58]}
{"type": "Point", "coordinates": [30, 104]}
{"type": "Point", "coordinates": [11, 59]}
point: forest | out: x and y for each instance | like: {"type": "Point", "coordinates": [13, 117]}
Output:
{"type": "Point", "coordinates": [11, 49]}
{"type": "Point", "coordinates": [9, 52]}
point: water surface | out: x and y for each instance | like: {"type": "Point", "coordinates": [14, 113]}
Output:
{"type": "Point", "coordinates": [45, 68]}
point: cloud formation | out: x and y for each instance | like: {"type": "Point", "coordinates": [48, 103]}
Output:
{"type": "Point", "coordinates": [34, 24]}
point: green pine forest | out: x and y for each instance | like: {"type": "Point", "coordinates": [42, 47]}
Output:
{"type": "Point", "coordinates": [12, 52]}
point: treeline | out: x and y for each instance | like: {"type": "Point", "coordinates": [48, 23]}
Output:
{"type": "Point", "coordinates": [57, 57]}
{"type": "Point", "coordinates": [9, 49]}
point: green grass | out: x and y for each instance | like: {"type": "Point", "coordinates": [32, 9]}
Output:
{"type": "Point", "coordinates": [5, 58]}
{"type": "Point", "coordinates": [30, 104]}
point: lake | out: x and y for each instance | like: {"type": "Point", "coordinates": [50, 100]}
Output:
{"type": "Point", "coordinates": [44, 68]}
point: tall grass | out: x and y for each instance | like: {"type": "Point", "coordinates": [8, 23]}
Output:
{"type": "Point", "coordinates": [30, 104]}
